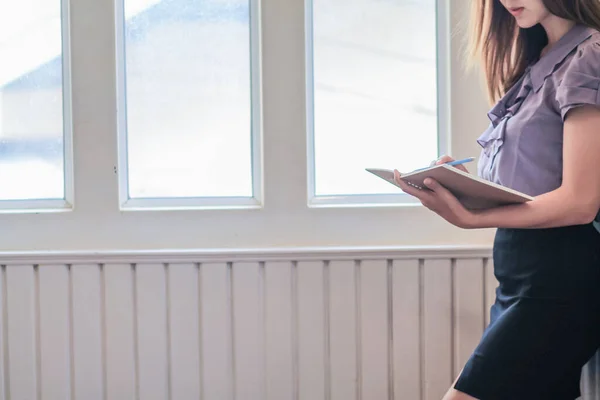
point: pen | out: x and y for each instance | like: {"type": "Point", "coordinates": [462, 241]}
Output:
{"type": "Point", "coordinates": [451, 163]}
{"type": "Point", "coordinates": [459, 162]}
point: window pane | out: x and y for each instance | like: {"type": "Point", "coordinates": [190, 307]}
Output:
{"type": "Point", "coordinates": [375, 93]}
{"type": "Point", "coordinates": [188, 96]}
{"type": "Point", "coordinates": [31, 100]}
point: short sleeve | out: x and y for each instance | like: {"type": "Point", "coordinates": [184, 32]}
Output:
{"type": "Point", "coordinates": [581, 82]}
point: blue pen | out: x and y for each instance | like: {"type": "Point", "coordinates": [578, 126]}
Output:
{"type": "Point", "coordinates": [451, 163]}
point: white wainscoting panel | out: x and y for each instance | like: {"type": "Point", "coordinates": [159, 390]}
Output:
{"type": "Point", "coordinates": [316, 325]}
{"type": "Point", "coordinates": [120, 324]}
{"type": "Point", "coordinates": [54, 331]}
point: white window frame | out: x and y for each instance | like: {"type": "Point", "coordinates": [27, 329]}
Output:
{"type": "Point", "coordinates": [285, 218]}
{"type": "Point", "coordinates": [67, 203]}
{"type": "Point", "coordinates": [443, 116]}
{"type": "Point", "coordinates": [191, 203]}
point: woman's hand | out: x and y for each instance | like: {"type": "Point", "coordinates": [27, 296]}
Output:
{"type": "Point", "coordinates": [439, 200]}
{"type": "Point", "coordinates": [446, 159]}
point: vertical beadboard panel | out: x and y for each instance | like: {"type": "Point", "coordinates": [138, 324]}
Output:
{"type": "Point", "coordinates": [87, 332]}
{"type": "Point", "coordinates": [594, 389]}
{"type": "Point", "coordinates": [343, 332]}
{"type": "Point", "coordinates": [285, 331]}
{"type": "Point", "coordinates": [374, 329]}
{"type": "Point", "coordinates": [437, 309]}
{"type": "Point", "coordinates": [55, 332]}
{"type": "Point", "coordinates": [469, 313]}
{"type": "Point", "coordinates": [185, 333]}
{"type": "Point", "coordinates": [588, 381]}
{"type": "Point", "coordinates": [4, 395]}
{"type": "Point", "coordinates": [216, 332]}
{"type": "Point", "coordinates": [590, 385]}
{"type": "Point", "coordinates": [21, 332]}
{"type": "Point", "coordinates": [596, 382]}
{"type": "Point", "coordinates": [121, 340]}
{"type": "Point", "coordinates": [594, 367]}
{"type": "Point", "coordinates": [280, 332]}
{"type": "Point", "coordinates": [248, 334]}
{"type": "Point", "coordinates": [312, 373]}
{"type": "Point", "coordinates": [406, 292]}
{"type": "Point", "coordinates": [490, 288]}
{"type": "Point", "coordinates": [152, 332]}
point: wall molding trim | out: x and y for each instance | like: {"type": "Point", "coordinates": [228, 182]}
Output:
{"type": "Point", "coordinates": [245, 255]}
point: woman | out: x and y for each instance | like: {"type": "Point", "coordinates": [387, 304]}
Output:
{"type": "Point", "coordinates": [542, 65]}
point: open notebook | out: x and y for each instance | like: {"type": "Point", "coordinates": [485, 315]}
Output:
{"type": "Point", "coordinates": [472, 191]}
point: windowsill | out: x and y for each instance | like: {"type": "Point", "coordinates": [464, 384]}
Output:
{"type": "Point", "coordinates": [34, 206]}
{"type": "Point", "coordinates": [192, 204]}
{"type": "Point", "coordinates": [363, 201]}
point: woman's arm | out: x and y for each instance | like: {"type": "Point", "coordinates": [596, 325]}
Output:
{"type": "Point", "coordinates": [577, 201]}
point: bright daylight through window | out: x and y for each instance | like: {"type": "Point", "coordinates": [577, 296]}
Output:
{"type": "Point", "coordinates": [375, 91]}
{"type": "Point", "coordinates": [32, 156]}
{"type": "Point", "coordinates": [189, 103]}
{"type": "Point", "coordinates": [188, 90]}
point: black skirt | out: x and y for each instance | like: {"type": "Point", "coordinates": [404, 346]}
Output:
{"type": "Point", "coordinates": [545, 322]}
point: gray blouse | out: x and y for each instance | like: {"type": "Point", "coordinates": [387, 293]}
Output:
{"type": "Point", "coordinates": [522, 147]}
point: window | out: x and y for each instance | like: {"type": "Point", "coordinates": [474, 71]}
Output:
{"type": "Point", "coordinates": [34, 105]}
{"type": "Point", "coordinates": [374, 87]}
{"type": "Point", "coordinates": [191, 130]}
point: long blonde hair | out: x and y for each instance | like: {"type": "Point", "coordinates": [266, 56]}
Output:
{"type": "Point", "coordinates": [505, 50]}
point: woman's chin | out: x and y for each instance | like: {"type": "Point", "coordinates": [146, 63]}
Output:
{"type": "Point", "coordinates": [525, 23]}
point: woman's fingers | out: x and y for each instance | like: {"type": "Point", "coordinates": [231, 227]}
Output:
{"type": "Point", "coordinates": [425, 196]}
{"type": "Point", "coordinates": [434, 186]}
{"type": "Point", "coordinates": [443, 160]}
{"type": "Point", "coordinates": [446, 159]}
{"type": "Point", "coordinates": [406, 188]}
{"type": "Point", "coordinates": [441, 192]}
